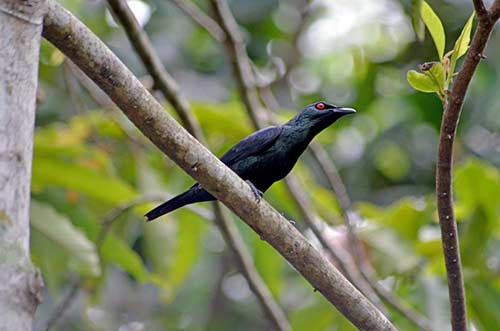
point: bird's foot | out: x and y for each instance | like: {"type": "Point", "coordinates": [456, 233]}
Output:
{"type": "Point", "coordinates": [257, 193]}
{"type": "Point", "coordinates": [292, 222]}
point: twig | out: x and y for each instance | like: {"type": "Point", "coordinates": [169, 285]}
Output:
{"type": "Point", "coordinates": [101, 65]}
{"type": "Point", "coordinates": [231, 235]}
{"type": "Point", "coordinates": [240, 62]}
{"type": "Point", "coordinates": [481, 11]}
{"type": "Point", "coordinates": [449, 123]}
{"type": "Point", "coordinates": [202, 19]}
{"type": "Point", "coordinates": [245, 264]}
{"type": "Point", "coordinates": [163, 80]}
{"type": "Point", "coordinates": [64, 305]}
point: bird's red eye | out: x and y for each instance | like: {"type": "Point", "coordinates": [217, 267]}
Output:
{"type": "Point", "coordinates": [320, 106]}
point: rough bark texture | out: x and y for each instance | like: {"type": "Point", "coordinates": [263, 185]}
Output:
{"type": "Point", "coordinates": [20, 283]}
{"type": "Point", "coordinates": [99, 63]}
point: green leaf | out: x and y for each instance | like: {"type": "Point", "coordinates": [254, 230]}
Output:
{"type": "Point", "coordinates": [71, 240]}
{"type": "Point", "coordinates": [422, 82]}
{"type": "Point", "coordinates": [100, 186]}
{"type": "Point", "coordinates": [461, 45]}
{"type": "Point", "coordinates": [435, 27]}
{"type": "Point", "coordinates": [115, 250]}
{"type": "Point", "coordinates": [436, 72]}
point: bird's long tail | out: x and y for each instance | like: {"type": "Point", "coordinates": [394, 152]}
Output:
{"type": "Point", "coordinates": [194, 194]}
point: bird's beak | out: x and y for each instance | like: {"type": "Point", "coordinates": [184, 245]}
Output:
{"type": "Point", "coordinates": [344, 111]}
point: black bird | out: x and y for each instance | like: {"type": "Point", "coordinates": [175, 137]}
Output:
{"type": "Point", "coordinates": [265, 156]}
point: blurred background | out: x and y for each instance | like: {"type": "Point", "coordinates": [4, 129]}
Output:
{"type": "Point", "coordinates": [91, 166]}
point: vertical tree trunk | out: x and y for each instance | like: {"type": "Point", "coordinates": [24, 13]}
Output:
{"type": "Point", "coordinates": [20, 283]}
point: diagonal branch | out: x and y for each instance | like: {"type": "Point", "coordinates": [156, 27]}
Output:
{"type": "Point", "coordinates": [144, 48]}
{"type": "Point", "coordinates": [202, 19]}
{"type": "Point", "coordinates": [242, 67]}
{"type": "Point", "coordinates": [481, 11]}
{"type": "Point", "coordinates": [101, 65]}
{"type": "Point", "coordinates": [449, 123]}
{"type": "Point", "coordinates": [162, 78]}
{"type": "Point", "coordinates": [337, 185]}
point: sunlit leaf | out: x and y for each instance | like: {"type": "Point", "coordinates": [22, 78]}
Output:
{"type": "Point", "coordinates": [405, 216]}
{"type": "Point", "coordinates": [59, 229]}
{"type": "Point", "coordinates": [95, 184]}
{"type": "Point", "coordinates": [436, 72]}
{"type": "Point", "coordinates": [461, 45]}
{"type": "Point", "coordinates": [435, 27]}
{"type": "Point", "coordinates": [422, 82]}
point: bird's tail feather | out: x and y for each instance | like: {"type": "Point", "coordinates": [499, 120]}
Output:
{"type": "Point", "coordinates": [170, 205]}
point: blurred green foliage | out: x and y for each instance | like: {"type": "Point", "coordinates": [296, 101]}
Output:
{"type": "Point", "coordinates": [175, 273]}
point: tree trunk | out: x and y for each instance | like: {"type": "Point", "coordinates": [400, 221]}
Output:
{"type": "Point", "coordinates": [20, 283]}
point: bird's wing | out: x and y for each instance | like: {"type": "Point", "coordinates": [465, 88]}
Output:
{"type": "Point", "coordinates": [256, 142]}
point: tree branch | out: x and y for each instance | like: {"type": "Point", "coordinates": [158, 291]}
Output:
{"type": "Point", "coordinates": [243, 259]}
{"type": "Point", "coordinates": [202, 19]}
{"type": "Point", "coordinates": [240, 62]}
{"type": "Point", "coordinates": [481, 11]}
{"type": "Point", "coordinates": [101, 65]}
{"type": "Point", "coordinates": [449, 123]}
{"type": "Point", "coordinates": [163, 80]}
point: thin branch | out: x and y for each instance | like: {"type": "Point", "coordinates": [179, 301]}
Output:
{"type": "Point", "coordinates": [230, 233]}
{"type": "Point", "coordinates": [311, 220]}
{"type": "Point", "coordinates": [245, 264]}
{"type": "Point", "coordinates": [202, 19]}
{"type": "Point", "coordinates": [494, 12]}
{"type": "Point", "coordinates": [481, 11]}
{"type": "Point", "coordinates": [101, 65]}
{"type": "Point", "coordinates": [163, 80]}
{"type": "Point", "coordinates": [64, 304]}
{"type": "Point", "coordinates": [337, 185]}
{"type": "Point", "coordinates": [449, 123]}
{"type": "Point", "coordinates": [240, 62]}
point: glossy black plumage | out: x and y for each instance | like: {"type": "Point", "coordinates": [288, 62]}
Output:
{"type": "Point", "coordinates": [265, 156]}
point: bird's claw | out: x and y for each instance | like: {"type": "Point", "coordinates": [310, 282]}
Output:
{"type": "Point", "coordinates": [256, 192]}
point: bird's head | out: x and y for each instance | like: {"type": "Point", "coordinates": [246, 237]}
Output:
{"type": "Point", "coordinates": [319, 115]}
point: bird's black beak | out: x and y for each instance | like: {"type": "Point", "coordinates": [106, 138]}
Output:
{"type": "Point", "coordinates": [344, 111]}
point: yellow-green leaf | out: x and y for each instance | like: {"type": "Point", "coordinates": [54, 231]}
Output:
{"type": "Point", "coordinates": [95, 184]}
{"type": "Point", "coordinates": [435, 27]}
{"type": "Point", "coordinates": [422, 82]}
{"type": "Point", "coordinates": [435, 71]}
{"type": "Point", "coordinates": [461, 45]}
